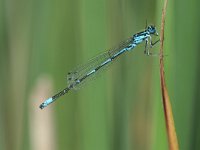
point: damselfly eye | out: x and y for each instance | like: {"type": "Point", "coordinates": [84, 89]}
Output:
{"type": "Point", "coordinates": [151, 29]}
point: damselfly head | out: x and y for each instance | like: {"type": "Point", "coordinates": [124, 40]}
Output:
{"type": "Point", "coordinates": [152, 30]}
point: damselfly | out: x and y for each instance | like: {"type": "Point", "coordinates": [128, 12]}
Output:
{"type": "Point", "coordinates": [81, 74]}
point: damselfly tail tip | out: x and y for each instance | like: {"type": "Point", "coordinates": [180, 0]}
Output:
{"type": "Point", "coordinates": [46, 103]}
{"type": "Point", "coordinates": [42, 106]}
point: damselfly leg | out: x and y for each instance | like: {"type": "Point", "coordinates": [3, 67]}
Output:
{"type": "Point", "coordinates": [151, 44]}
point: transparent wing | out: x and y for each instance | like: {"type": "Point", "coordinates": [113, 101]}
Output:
{"type": "Point", "coordinates": [82, 71]}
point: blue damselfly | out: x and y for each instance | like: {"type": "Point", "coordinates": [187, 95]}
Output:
{"type": "Point", "coordinates": [81, 74]}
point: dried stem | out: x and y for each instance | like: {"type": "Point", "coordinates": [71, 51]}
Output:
{"type": "Point", "coordinates": [171, 132]}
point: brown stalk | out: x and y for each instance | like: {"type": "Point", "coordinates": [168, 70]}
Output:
{"type": "Point", "coordinates": [169, 120]}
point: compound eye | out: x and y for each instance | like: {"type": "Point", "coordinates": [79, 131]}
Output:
{"type": "Point", "coordinates": [150, 28]}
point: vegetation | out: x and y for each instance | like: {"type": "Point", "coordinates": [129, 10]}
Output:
{"type": "Point", "coordinates": [40, 41]}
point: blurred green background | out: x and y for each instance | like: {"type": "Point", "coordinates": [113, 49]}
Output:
{"type": "Point", "coordinates": [41, 40]}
